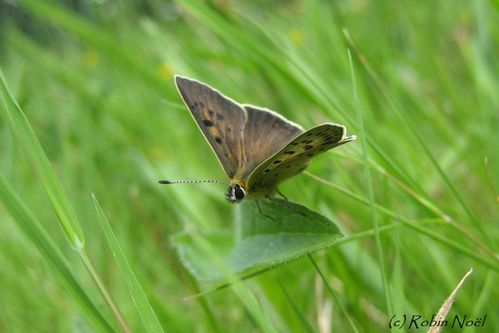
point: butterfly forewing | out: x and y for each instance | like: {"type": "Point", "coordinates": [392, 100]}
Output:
{"type": "Point", "coordinates": [265, 133]}
{"type": "Point", "coordinates": [257, 148]}
{"type": "Point", "coordinates": [295, 156]}
{"type": "Point", "coordinates": [220, 119]}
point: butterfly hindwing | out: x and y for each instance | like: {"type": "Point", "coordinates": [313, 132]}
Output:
{"type": "Point", "coordinates": [265, 133]}
{"type": "Point", "coordinates": [295, 156]}
{"type": "Point", "coordinates": [220, 119]}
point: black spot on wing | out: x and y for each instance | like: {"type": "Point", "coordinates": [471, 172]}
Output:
{"type": "Point", "coordinates": [210, 112]}
{"type": "Point", "coordinates": [207, 123]}
{"type": "Point", "coordinates": [295, 158]}
{"type": "Point", "coordinates": [220, 116]}
{"type": "Point", "coordinates": [218, 140]}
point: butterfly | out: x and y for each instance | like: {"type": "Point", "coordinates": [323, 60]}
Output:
{"type": "Point", "coordinates": [257, 148]}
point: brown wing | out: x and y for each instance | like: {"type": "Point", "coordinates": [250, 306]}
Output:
{"type": "Point", "coordinates": [265, 133]}
{"type": "Point", "coordinates": [295, 156]}
{"type": "Point", "coordinates": [221, 120]}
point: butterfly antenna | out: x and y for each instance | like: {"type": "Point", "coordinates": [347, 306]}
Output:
{"type": "Point", "coordinates": [167, 182]}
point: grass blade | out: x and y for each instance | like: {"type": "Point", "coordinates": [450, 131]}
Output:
{"type": "Point", "coordinates": [142, 305]}
{"type": "Point", "coordinates": [447, 305]}
{"type": "Point", "coordinates": [25, 135]}
{"type": "Point", "coordinates": [335, 297]}
{"type": "Point", "coordinates": [370, 191]}
{"type": "Point", "coordinates": [307, 326]}
{"type": "Point", "coordinates": [40, 238]}
{"type": "Point", "coordinates": [40, 163]}
{"type": "Point", "coordinates": [382, 86]}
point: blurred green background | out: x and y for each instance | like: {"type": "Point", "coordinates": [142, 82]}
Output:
{"type": "Point", "coordinates": [417, 82]}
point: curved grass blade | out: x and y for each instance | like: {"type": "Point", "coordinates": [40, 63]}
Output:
{"type": "Point", "coordinates": [30, 226]}
{"type": "Point", "coordinates": [25, 135]}
{"type": "Point", "coordinates": [33, 149]}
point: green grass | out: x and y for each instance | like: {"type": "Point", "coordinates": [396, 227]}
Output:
{"type": "Point", "coordinates": [88, 105]}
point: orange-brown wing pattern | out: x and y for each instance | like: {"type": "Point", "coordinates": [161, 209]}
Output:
{"type": "Point", "coordinates": [295, 156]}
{"type": "Point", "coordinates": [265, 133]}
{"type": "Point", "coordinates": [220, 119]}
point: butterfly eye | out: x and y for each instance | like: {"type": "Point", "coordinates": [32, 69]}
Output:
{"type": "Point", "coordinates": [239, 193]}
{"type": "Point", "coordinates": [235, 193]}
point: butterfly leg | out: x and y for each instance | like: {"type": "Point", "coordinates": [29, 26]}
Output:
{"type": "Point", "coordinates": [261, 212]}
{"type": "Point", "coordinates": [282, 195]}
{"type": "Point", "coordinates": [286, 203]}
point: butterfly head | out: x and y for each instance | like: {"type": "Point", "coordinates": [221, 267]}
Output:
{"type": "Point", "coordinates": [235, 193]}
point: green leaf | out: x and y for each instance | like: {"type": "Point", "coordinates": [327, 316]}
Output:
{"type": "Point", "coordinates": [277, 232]}
{"type": "Point", "coordinates": [142, 305]}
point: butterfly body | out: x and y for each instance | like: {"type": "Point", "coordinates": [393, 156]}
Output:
{"type": "Point", "coordinates": [257, 148]}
